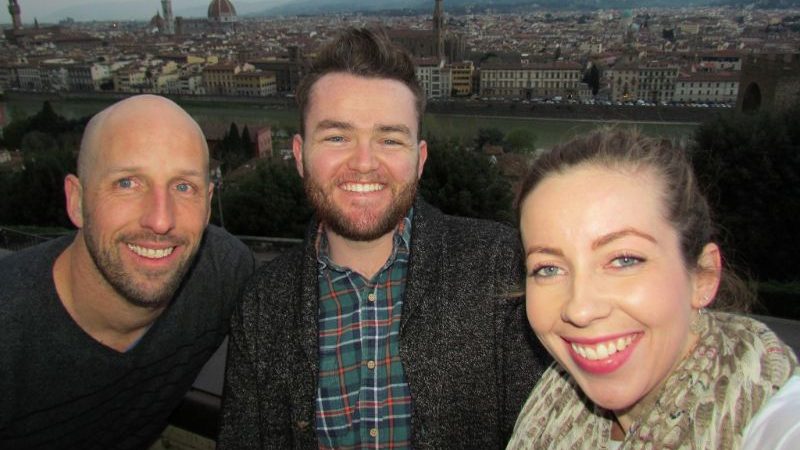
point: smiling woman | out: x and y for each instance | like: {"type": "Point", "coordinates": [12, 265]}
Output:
{"type": "Point", "coordinates": [621, 267]}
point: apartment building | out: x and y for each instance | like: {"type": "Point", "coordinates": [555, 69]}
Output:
{"type": "Point", "coordinates": [87, 77]}
{"type": "Point", "coordinates": [129, 79]}
{"type": "Point", "coordinates": [652, 83]}
{"type": "Point", "coordinates": [656, 83]}
{"type": "Point", "coordinates": [705, 87]}
{"type": "Point", "coordinates": [461, 78]}
{"type": "Point", "coordinates": [434, 77]}
{"type": "Point", "coordinates": [556, 79]}
{"type": "Point", "coordinates": [29, 77]}
{"type": "Point", "coordinates": [219, 78]}
{"type": "Point", "coordinates": [624, 82]}
{"type": "Point", "coordinates": [255, 84]}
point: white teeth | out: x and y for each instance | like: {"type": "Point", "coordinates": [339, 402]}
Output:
{"type": "Point", "coordinates": [151, 253]}
{"type": "Point", "coordinates": [602, 350]}
{"type": "Point", "coordinates": [362, 187]}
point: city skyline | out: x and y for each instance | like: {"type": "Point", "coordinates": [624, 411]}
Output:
{"type": "Point", "coordinates": [45, 12]}
{"type": "Point", "coordinates": [112, 10]}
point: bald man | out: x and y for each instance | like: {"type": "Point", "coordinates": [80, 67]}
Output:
{"type": "Point", "coordinates": [104, 331]}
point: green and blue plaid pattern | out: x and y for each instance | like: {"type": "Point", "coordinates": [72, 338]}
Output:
{"type": "Point", "coordinates": [363, 399]}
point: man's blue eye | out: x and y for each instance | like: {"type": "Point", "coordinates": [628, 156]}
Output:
{"type": "Point", "coordinates": [125, 183]}
{"type": "Point", "coordinates": [183, 187]}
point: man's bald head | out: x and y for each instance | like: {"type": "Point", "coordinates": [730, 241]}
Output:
{"type": "Point", "coordinates": [137, 114]}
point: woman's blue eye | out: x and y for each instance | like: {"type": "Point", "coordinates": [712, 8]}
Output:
{"type": "Point", "coordinates": [546, 271]}
{"type": "Point", "coordinates": [626, 261]}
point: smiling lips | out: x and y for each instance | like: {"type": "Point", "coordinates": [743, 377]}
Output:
{"type": "Point", "coordinates": [603, 357]}
{"type": "Point", "coordinates": [151, 253]}
{"type": "Point", "coordinates": [362, 187]}
{"type": "Point", "coordinates": [602, 350]}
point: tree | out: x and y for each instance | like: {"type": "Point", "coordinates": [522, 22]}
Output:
{"type": "Point", "coordinates": [232, 139]}
{"type": "Point", "coordinates": [230, 150]}
{"type": "Point", "coordinates": [465, 183]}
{"type": "Point", "coordinates": [45, 121]}
{"type": "Point", "coordinates": [521, 140]}
{"type": "Point", "coordinates": [268, 201]}
{"type": "Point", "coordinates": [592, 78]}
{"type": "Point", "coordinates": [247, 146]}
{"type": "Point", "coordinates": [491, 136]}
{"type": "Point", "coordinates": [751, 166]}
{"type": "Point", "coordinates": [35, 195]}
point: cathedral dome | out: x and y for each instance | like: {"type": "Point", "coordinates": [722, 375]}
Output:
{"type": "Point", "coordinates": [157, 22]}
{"type": "Point", "coordinates": [221, 11]}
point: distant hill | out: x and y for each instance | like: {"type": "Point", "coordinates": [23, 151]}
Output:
{"type": "Point", "coordinates": [477, 6]}
{"type": "Point", "coordinates": [140, 10]}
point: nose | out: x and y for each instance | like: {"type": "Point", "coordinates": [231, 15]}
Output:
{"type": "Point", "coordinates": [363, 157]}
{"type": "Point", "coordinates": [158, 213]}
{"type": "Point", "coordinates": [586, 303]}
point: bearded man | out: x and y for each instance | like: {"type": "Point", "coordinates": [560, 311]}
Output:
{"type": "Point", "coordinates": [392, 327]}
{"type": "Point", "coordinates": [105, 330]}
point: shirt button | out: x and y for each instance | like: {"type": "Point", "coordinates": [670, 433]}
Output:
{"type": "Point", "coordinates": [370, 364]}
{"type": "Point", "coordinates": [372, 297]}
{"type": "Point", "coordinates": [373, 432]}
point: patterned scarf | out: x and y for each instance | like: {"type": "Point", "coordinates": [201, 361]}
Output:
{"type": "Point", "coordinates": [736, 366]}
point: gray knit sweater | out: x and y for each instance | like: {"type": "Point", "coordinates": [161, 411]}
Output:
{"type": "Point", "coordinates": [468, 353]}
{"type": "Point", "coordinates": [61, 389]}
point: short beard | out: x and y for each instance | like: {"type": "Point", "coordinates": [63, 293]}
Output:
{"type": "Point", "coordinates": [367, 226]}
{"type": "Point", "coordinates": [110, 266]}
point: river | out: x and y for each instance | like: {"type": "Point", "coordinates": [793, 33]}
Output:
{"type": "Point", "coordinates": [463, 127]}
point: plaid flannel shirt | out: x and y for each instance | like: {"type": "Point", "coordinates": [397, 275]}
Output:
{"type": "Point", "coordinates": [363, 398]}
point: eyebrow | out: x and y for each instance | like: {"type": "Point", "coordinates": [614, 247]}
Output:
{"type": "Point", "coordinates": [545, 250]}
{"type": "Point", "coordinates": [610, 237]}
{"type": "Point", "coordinates": [601, 241]}
{"type": "Point", "coordinates": [399, 128]}
{"type": "Point", "coordinates": [328, 124]}
{"type": "Point", "coordinates": [134, 169]}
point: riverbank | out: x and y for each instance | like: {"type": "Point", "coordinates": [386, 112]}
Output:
{"type": "Point", "coordinates": [463, 107]}
{"type": "Point", "coordinates": [459, 120]}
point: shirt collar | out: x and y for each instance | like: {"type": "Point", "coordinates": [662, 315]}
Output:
{"type": "Point", "coordinates": [401, 239]}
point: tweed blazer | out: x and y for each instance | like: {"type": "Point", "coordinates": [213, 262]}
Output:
{"type": "Point", "coordinates": [468, 353]}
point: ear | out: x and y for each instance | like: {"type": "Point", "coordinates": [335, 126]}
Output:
{"type": "Point", "coordinates": [707, 276]}
{"type": "Point", "coordinates": [297, 150]}
{"type": "Point", "coordinates": [73, 191]}
{"type": "Point", "coordinates": [423, 156]}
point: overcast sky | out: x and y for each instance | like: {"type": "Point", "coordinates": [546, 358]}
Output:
{"type": "Point", "coordinates": [54, 10]}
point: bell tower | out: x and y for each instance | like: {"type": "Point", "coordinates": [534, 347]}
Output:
{"type": "Point", "coordinates": [169, 19]}
{"type": "Point", "coordinates": [13, 10]}
{"type": "Point", "coordinates": [438, 29]}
